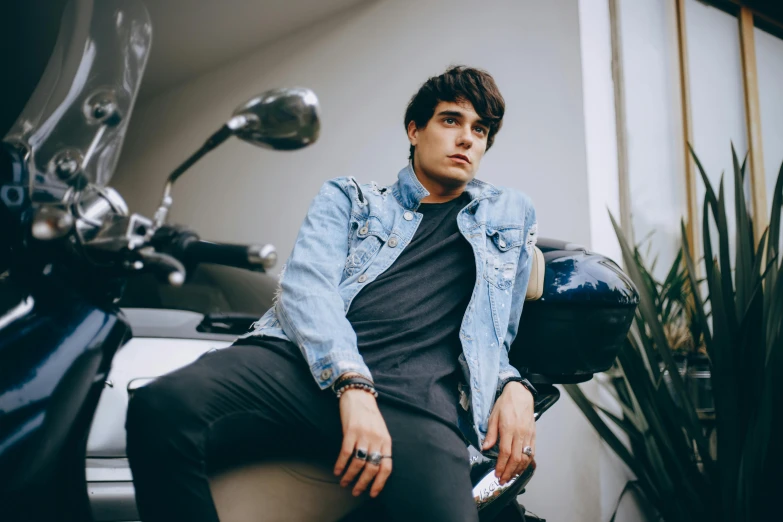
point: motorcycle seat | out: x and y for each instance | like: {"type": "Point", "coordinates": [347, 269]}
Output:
{"type": "Point", "coordinates": [301, 491]}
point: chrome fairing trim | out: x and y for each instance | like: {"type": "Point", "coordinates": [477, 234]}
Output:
{"type": "Point", "coordinates": [112, 501]}
{"type": "Point", "coordinates": [108, 470]}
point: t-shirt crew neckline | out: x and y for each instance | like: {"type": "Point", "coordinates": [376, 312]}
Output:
{"type": "Point", "coordinates": [446, 204]}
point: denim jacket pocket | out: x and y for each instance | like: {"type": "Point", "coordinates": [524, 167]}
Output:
{"type": "Point", "coordinates": [368, 239]}
{"type": "Point", "coordinates": [502, 256]}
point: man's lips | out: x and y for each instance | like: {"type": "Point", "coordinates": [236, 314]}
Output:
{"type": "Point", "coordinates": [460, 157]}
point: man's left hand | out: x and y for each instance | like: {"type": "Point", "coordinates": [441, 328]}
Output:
{"type": "Point", "coordinates": [512, 420]}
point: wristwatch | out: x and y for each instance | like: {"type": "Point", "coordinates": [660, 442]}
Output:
{"type": "Point", "coordinates": [521, 380]}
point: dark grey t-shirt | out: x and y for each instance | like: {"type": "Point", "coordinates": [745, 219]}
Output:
{"type": "Point", "coordinates": [407, 321]}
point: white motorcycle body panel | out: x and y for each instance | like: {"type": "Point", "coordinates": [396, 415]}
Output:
{"type": "Point", "coordinates": [293, 491]}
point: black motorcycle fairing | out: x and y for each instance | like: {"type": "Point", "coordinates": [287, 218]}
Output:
{"type": "Point", "coordinates": [13, 178]}
{"type": "Point", "coordinates": [13, 201]}
{"type": "Point", "coordinates": [55, 361]}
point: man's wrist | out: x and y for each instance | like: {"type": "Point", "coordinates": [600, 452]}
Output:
{"type": "Point", "coordinates": [521, 381]}
{"type": "Point", "coordinates": [517, 385]}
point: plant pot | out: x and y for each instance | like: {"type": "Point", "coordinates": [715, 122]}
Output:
{"type": "Point", "coordinates": [699, 383]}
{"type": "Point", "coordinates": [682, 366]}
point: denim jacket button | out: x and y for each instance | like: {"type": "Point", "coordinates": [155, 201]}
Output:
{"type": "Point", "coordinates": [408, 215]}
{"type": "Point", "coordinates": [393, 242]}
{"type": "Point", "coordinates": [362, 278]}
{"type": "Point", "coordinates": [363, 230]}
{"type": "Point", "coordinates": [326, 374]}
{"type": "Point", "coordinates": [502, 244]}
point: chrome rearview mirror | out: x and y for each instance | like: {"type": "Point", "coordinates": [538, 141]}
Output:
{"type": "Point", "coordinates": [279, 119]}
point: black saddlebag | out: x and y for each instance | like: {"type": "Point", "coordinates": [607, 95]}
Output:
{"type": "Point", "coordinates": [580, 322]}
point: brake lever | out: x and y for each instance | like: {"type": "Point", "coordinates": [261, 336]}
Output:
{"type": "Point", "coordinates": [164, 264]}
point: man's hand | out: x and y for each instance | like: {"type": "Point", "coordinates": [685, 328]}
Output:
{"type": "Point", "coordinates": [363, 428]}
{"type": "Point", "coordinates": [512, 419]}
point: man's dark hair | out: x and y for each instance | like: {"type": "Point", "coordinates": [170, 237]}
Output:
{"type": "Point", "coordinates": [458, 83]}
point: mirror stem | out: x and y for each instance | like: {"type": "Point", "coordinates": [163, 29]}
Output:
{"type": "Point", "coordinates": [225, 132]}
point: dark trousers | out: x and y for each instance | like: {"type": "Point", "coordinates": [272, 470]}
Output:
{"type": "Point", "coordinates": [251, 402]}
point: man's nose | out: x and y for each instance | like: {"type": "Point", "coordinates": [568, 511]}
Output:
{"type": "Point", "coordinates": [465, 138]}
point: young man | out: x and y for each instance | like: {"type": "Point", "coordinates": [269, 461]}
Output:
{"type": "Point", "coordinates": [389, 336]}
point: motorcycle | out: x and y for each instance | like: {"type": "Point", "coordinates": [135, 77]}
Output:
{"type": "Point", "coordinates": [70, 249]}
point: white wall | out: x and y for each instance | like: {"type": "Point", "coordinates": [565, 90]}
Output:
{"type": "Point", "coordinates": [603, 180]}
{"type": "Point", "coordinates": [717, 101]}
{"type": "Point", "coordinates": [653, 125]}
{"type": "Point", "coordinates": [364, 65]}
{"type": "Point", "coordinates": [600, 126]}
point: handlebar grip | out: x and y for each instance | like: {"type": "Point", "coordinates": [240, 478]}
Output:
{"type": "Point", "coordinates": [252, 257]}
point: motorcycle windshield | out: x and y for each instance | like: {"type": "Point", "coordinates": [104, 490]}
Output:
{"type": "Point", "coordinates": [73, 126]}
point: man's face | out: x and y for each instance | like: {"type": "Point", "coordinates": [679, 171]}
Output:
{"type": "Point", "coordinates": [450, 147]}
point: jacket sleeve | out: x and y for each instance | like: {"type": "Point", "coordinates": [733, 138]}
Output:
{"type": "Point", "coordinates": [508, 372]}
{"type": "Point", "coordinates": [309, 307]}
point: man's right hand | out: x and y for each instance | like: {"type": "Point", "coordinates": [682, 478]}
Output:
{"type": "Point", "coordinates": [363, 428]}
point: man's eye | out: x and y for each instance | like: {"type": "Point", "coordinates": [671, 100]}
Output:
{"type": "Point", "coordinates": [450, 121]}
{"type": "Point", "coordinates": [481, 130]}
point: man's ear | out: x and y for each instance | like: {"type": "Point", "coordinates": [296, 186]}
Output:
{"type": "Point", "coordinates": [413, 133]}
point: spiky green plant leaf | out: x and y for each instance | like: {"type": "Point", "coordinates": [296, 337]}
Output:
{"type": "Point", "coordinates": [740, 322]}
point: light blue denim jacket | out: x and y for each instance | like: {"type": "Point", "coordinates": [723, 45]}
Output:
{"type": "Point", "coordinates": [353, 233]}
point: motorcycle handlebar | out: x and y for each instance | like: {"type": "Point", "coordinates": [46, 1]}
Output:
{"type": "Point", "coordinates": [187, 247]}
{"type": "Point", "coordinates": [253, 257]}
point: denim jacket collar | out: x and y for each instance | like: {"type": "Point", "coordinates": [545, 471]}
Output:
{"type": "Point", "coordinates": [409, 191]}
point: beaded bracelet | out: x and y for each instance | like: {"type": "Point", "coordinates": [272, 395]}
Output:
{"type": "Point", "coordinates": [357, 386]}
{"type": "Point", "coordinates": [343, 377]}
{"type": "Point", "coordinates": [350, 377]}
{"type": "Point", "coordinates": [354, 379]}
{"type": "Point", "coordinates": [356, 383]}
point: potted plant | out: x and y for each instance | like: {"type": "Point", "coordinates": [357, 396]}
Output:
{"type": "Point", "coordinates": [674, 307]}
{"type": "Point", "coordinates": [682, 472]}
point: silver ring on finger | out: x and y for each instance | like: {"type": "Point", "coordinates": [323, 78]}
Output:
{"type": "Point", "coordinates": [527, 450]}
{"type": "Point", "coordinates": [360, 454]}
{"type": "Point", "coordinates": [375, 458]}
